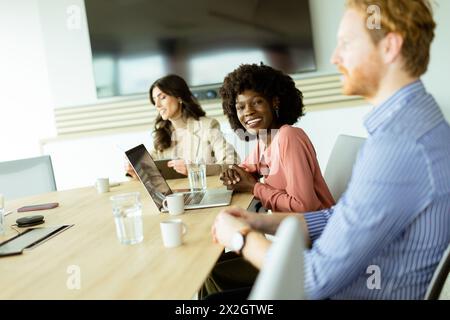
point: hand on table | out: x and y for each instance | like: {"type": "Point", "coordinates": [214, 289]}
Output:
{"type": "Point", "coordinates": [178, 165]}
{"type": "Point", "coordinates": [238, 179]}
{"type": "Point", "coordinates": [225, 226]}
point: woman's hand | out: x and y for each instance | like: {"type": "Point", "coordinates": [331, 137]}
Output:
{"type": "Point", "coordinates": [238, 179]}
{"type": "Point", "coordinates": [230, 176]}
{"type": "Point", "coordinates": [129, 170]}
{"type": "Point", "coordinates": [178, 165]}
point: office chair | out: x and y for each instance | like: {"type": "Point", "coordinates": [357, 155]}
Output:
{"type": "Point", "coordinates": [26, 177]}
{"type": "Point", "coordinates": [340, 164]}
{"type": "Point", "coordinates": [281, 276]}
{"type": "Point", "coordinates": [439, 287]}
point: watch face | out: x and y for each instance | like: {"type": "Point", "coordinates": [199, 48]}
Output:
{"type": "Point", "coordinates": [237, 242]}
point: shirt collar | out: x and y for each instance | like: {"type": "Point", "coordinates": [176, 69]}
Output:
{"type": "Point", "coordinates": [392, 105]}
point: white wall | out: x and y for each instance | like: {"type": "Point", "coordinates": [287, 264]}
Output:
{"type": "Point", "coordinates": [26, 106]}
{"type": "Point", "coordinates": [325, 15]}
{"type": "Point", "coordinates": [68, 52]}
{"type": "Point", "coordinates": [437, 77]}
{"type": "Point", "coordinates": [79, 162]}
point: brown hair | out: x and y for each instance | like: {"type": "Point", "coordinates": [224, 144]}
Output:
{"type": "Point", "coordinates": [174, 86]}
{"type": "Point", "coordinates": [412, 19]}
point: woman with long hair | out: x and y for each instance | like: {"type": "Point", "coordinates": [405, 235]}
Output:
{"type": "Point", "coordinates": [182, 131]}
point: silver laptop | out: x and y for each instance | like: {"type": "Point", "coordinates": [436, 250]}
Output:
{"type": "Point", "coordinates": [157, 187]}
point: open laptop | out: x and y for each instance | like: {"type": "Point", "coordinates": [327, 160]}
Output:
{"type": "Point", "coordinates": [157, 187]}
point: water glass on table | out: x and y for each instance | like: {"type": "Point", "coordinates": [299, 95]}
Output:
{"type": "Point", "coordinates": [197, 175]}
{"type": "Point", "coordinates": [127, 212]}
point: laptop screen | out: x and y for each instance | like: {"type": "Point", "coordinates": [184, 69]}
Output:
{"type": "Point", "coordinates": [149, 174]}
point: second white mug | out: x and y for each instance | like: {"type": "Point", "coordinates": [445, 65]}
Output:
{"type": "Point", "coordinates": [174, 203]}
{"type": "Point", "coordinates": [172, 232]}
{"type": "Point", "coordinates": [102, 185]}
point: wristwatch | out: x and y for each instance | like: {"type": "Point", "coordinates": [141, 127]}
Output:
{"type": "Point", "coordinates": [238, 240]}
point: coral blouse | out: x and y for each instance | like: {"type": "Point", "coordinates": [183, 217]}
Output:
{"type": "Point", "coordinates": [293, 181]}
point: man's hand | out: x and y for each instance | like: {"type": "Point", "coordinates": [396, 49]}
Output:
{"type": "Point", "coordinates": [264, 223]}
{"type": "Point", "coordinates": [178, 165]}
{"type": "Point", "coordinates": [238, 179]}
{"type": "Point", "coordinates": [232, 220]}
{"type": "Point", "coordinates": [225, 226]}
{"type": "Point", "coordinates": [251, 218]}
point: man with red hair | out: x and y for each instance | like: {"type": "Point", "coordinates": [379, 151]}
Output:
{"type": "Point", "coordinates": [393, 222]}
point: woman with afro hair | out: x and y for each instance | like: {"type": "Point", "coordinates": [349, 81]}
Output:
{"type": "Point", "coordinates": [265, 103]}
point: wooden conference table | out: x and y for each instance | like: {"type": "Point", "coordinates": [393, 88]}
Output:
{"type": "Point", "coordinates": [91, 252]}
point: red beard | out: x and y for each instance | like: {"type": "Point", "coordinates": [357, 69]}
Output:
{"type": "Point", "coordinates": [364, 80]}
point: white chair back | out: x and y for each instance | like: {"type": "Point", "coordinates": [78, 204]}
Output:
{"type": "Point", "coordinates": [281, 276]}
{"type": "Point", "coordinates": [26, 177]}
{"type": "Point", "coordinates": [439, 287]}
{"type": "Point", "coordinates": [340, 164]}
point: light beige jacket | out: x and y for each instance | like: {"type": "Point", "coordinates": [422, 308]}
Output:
{"type": "Point", "coordinates": [200, 140]}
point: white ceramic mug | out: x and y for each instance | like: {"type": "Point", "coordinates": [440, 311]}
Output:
{"type": "Point", "coordinates": [172, 232]}
{"type": "Point", "coordinates": [174, 203]}
{"type": "Point", "coordinates": [102, 185]}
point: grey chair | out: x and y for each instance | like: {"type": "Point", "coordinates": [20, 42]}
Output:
{"type": "Point", "coordinates": [281, 276]}
{"type": "Point", "coordinates": [439, 287]}
{"type": "Point", "coordinates": [340, 164]}
{"type": "Point", "coordinates": [26, 177]}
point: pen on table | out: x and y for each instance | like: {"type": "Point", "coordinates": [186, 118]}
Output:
{"type": "Point", "coordinates": [7, 212]}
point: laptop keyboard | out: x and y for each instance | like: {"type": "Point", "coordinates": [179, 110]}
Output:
{"type": "Point", "coordinates": [193, 198]}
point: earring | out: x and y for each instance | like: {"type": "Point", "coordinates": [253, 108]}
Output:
{"type": "Point", "coordinates": [277, 112]}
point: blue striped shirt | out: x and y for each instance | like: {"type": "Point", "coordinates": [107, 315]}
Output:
{"type": "Point", "coordinates": [386, 235]}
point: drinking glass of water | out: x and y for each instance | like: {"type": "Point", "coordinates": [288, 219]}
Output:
{"type": "Point", "coordinates": [127, 212]}
{"type": "Point", "coordinates": [197, 175]}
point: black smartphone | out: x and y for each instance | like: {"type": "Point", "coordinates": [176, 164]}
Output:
{"type": "Point", "coordinates": [256, 206]}
{"type": "Point", "coordinates": [29, 221]}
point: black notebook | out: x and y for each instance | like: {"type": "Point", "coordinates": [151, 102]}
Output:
{"type": "Point", "coordinates": [29, 239]}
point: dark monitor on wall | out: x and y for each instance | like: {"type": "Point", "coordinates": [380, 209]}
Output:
{"type": "Point", "coordinates": [135, 42]}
